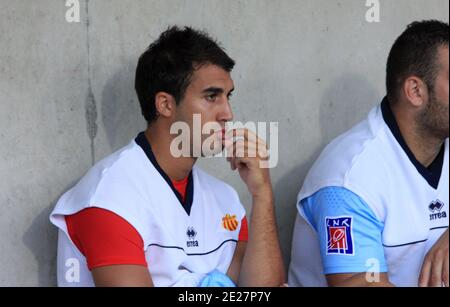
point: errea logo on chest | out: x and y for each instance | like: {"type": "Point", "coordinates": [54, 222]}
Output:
{"type": "Point", "coordinates": [436, 209]}
{"type": "Point", "coordinates": [191, 235]}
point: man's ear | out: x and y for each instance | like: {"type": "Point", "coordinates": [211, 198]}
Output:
{"type": "Point", "coordinates": [415, 91]}
{"type": "Point", "coordinates": [165, 104]}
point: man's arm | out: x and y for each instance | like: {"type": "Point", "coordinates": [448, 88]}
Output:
{"type": "Point", "coordinates": [350, 238]}
{"type": "Point", "coordinates": [113, 248]}
{"type": "Point", "coordinates": [262, 263]}
{"type": "Point", "coordinates": [235, 267]}
{"type": "Point", "coordinates": [122, 276]}
{"type": "Point", "coordinates": [357, 280]}
{"type": "Point", "coordinates": [435, 268]}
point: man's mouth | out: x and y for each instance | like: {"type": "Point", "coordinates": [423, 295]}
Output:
{"type": "Point", "coordinates": [221, 134]}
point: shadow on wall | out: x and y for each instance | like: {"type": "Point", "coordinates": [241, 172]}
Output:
{"type": "Point", "coordinates": [42, 240]}
{"type": "Point", "coordinates": [286, 191]}
{"type": "Point", "coordinates": [343, 105]}
{"type": "Point", "coordinates": [121, 113]}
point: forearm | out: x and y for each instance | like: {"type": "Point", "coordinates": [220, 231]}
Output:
{"type": "Point", "coordinates": [263, 263]}
{"type": "Point", "coordinates": [122, 276]}
{"type": "Point", "coordinates": [358, 280]}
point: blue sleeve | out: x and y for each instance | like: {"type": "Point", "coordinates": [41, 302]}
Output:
{"type": "Point", "coordinates": [349, 232]}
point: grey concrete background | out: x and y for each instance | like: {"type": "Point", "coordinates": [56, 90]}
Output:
{"type": "Point", "coordinates": [67, 98]}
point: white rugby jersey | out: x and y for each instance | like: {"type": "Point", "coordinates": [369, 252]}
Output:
{"type": "Point", "coordinates": [181, 243]}
{"type": "Point", "coordinates": [373, 161]}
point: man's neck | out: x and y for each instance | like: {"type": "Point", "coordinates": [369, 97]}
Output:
{"type": "Point", "coordinates": [424, 146]}
{"type": "Point", "coordinates": [176, 168]}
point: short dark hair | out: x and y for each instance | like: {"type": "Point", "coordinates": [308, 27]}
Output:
{"type": "Point", "coordinates": [169, 63]}
{"type": "Point", "coordinates": [415, 53]}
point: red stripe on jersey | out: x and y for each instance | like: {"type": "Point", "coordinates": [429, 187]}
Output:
{"type": "Point", "coordinates": [105, 238]}
{"type": "Point", "coordinates": [243, 233]}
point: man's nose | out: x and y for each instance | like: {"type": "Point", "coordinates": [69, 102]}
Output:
{"type": "Point", "coordinates": [226, 113]}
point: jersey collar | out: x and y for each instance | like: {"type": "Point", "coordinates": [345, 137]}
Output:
{"type": "Point", "coordinates": [432, 174]}
{"type": "Point", "coordinates": [142, 141]}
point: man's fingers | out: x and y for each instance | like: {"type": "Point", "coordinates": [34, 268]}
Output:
{"type": "Point", "coordinates": [232, 163]}
{"type": "Point", "coordinates": [255, 146]}
{"type": "Point", "coordinates": [237, 163]}
{"type": "Point", "coordinates": [243, 147]}
{"type": "Point", "coordinates": [246, 149]}
{"type": "Point", "coordinates": [246, 134]}
{"type": "Point", "coordinates": [237, 160]}
{"type": "Point", "coordinates": [241, 162]}
{"type": "Point", "coordinates": [445, 272]}
{"type": "Point", "coordinates": [425, 273]}
{"type": "Point", "coordinates": [229, 161]}
{"type": "Point", "coordinates": [436, 272]}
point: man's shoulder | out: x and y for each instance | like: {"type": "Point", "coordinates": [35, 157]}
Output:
{"type": "Point", "coordinates": [356, 145]}
{"type": "Point", "coordinates": [109, 184]}
{"type": "Point", "coordinates": [118, 161]}
{"type": "Point", "coordinates": [355, 155]}
{"type": "Point", "coordinates": [116, 167]}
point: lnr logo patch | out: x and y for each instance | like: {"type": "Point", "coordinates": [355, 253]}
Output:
{"type": "Point", "coordinates": [339, 235]}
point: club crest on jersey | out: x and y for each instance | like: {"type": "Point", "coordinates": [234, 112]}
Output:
{"type": "Point", "coordinates": [339, 235]}
{"type": "Point", "coordinates": [191, 234]}
{"type": "Point", "coordinates": [229, 222]}
{"type": "Point", "coordinates": [436, 210]}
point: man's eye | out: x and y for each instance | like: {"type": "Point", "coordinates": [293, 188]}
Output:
{"type": "Point", "coordinates": [230, 96]}
{"type": "Point", "coordinates": [211, 98]}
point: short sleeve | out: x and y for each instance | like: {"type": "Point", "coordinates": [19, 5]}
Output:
{"type": "Point", "coordinates": [350, 235]}
{"type": "Point", "coordinates": [105, 238]}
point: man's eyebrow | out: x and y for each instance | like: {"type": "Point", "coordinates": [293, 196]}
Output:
{"type": "Point", "coordinates": [216, 90]}
{"type": "Point", "coordinates": [213, 90]}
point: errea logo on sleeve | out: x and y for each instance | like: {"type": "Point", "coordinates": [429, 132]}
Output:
{"type": "Point", "coordinates": [339, 235]}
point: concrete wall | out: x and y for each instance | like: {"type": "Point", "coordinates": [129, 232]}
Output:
{"type": "Point", "coordinates": [67, 98]}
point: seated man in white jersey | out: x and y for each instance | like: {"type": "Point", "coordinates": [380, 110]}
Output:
{"type": "Point", "coordinates": [373, 210]}
{"type": "Point", "coordinates": [144, 217]}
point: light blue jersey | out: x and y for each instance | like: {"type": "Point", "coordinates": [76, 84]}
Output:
{"type": "Point", "coordinates": [364, 233]}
